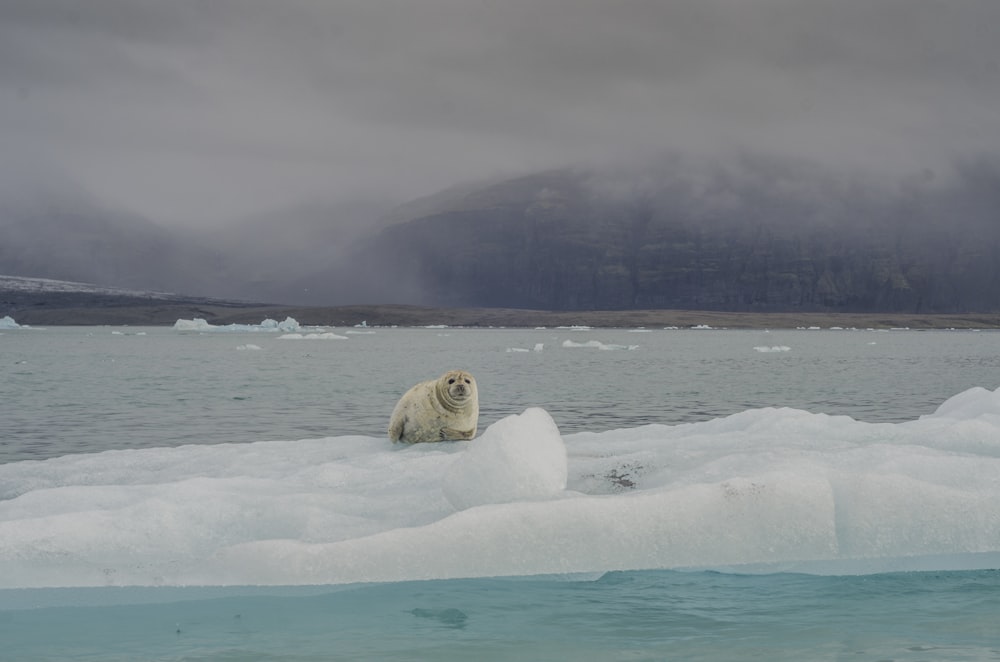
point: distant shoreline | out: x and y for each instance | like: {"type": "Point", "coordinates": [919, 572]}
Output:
{"type": "Point", "coordinates": [165, 314]}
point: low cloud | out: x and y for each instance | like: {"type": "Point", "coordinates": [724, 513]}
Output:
{"type": "Point", "coordinates": [194, 113]}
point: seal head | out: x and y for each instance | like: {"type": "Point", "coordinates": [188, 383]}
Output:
{"type": "Point", "coordinates": [455, 389]}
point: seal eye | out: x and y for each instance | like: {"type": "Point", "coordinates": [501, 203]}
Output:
{"type": "Point", "coordinates": [451, 381]}
{"type": "Point", "coordinates": [467, 381]}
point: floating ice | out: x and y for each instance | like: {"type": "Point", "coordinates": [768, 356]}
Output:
{"type": "Point", "coordinates": [198, 324]}
{"type": "Point", "coordinates": [250, 347]}
{"type": "Point", "coordinates": [772, 349]}
{"type": "Point", "coordinates": [538, 347]}
{"type": "Point", "coordinates": [779, 489]}
{"type": "Point", "coordinates": [7, 322]}
{"type": "Point", "coordinates": [290, 324]}
{"type": "Point", "coordinates": [596, 344]}
{"type": "Point", "coordinates": [312, 336]}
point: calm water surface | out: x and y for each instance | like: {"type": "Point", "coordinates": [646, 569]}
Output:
{"type": "Point", "coordinates": [84, 389]}
{"type": "Point", "coordinates": [651, 615]}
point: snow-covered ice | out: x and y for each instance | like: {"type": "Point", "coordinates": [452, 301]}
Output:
{"type": "Point", "coordinates": [516, 459]}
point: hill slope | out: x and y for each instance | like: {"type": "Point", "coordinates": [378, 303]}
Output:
{"type": "Point", "coordinates": [758, 235]}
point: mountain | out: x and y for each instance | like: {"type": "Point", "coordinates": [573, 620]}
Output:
{"type": "Point", "coordinates": [755, 234]}
{"type": "Point", "coordinates": [63, 233]}
{"type": "Point", "coordinates": [76, 239]}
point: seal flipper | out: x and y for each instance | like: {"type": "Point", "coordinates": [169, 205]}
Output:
{"type": "Point", "coordinates": [452, 433]}
{"type": "Point", "coordinates": [396, 429]}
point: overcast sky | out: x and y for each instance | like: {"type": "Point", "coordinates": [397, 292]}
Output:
{"type": "Point", "coordinates": [196, 111]}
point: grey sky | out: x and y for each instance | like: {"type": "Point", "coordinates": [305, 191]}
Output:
{"type": "Point", "coordinates": [195, 111]}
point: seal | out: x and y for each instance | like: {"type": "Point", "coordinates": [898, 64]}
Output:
{"type": "Point", "coordinates": [441, 409]}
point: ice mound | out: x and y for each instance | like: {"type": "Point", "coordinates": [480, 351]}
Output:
{"type": "Point", "coordinates": [518, 458]}
{"type": "Point", "coordinates": [773, 349]}
{"type": "Point", "coordinates": [290, 325]}
{"type": "Point", "coordinates": [971, 404]}
{"type": "Point", "coordinates": [7, 322]}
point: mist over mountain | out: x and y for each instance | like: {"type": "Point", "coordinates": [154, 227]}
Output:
{"type": "Point", "coordinates": [264, 257]}
{"type": "Point", "coordinates": [69, 236]}
{"type": "Point", "coordinates": [50, 227]}
{"type": "Point", "coordinates": [752, 233]}
{"type": "Point", "coordinates": [755, 233]}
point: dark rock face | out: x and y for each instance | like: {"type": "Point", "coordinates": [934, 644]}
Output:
{"type": "Point", "coordinates": [784, 241]}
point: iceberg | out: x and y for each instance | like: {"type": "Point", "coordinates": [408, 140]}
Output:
{"type": "Point", "coordinates": [7, 322]}
{"type": "Point", "coordinates": [289, 325]}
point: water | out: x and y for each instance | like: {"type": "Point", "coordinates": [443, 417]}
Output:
{"type": "Point", "coordinates": [652, 615]}
{"type": "Point", "coordinates": [77, 390]}
{"type": "Point", "coordinates": [701, 498]}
